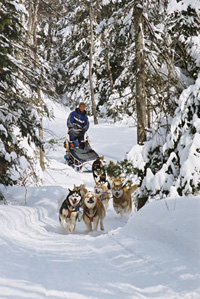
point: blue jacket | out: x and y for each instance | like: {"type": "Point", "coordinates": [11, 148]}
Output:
{"type": "Point", "coordinates": [78, 120]}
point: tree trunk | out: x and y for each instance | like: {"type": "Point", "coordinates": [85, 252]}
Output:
{"type": "Point", "coordinates": [39, 101]}
{"type": "Point", "coordinates": [49, 38]}
{"type": "Point", "coordinates": [99, 19]}
{"type": "Point", "coordinates": [29, 26]}
{"type": "Point", "coordinates": [140, 74]}
{"type": "Point", "coordinates": [42, 165]}
{"type": "Point", "coordinates": [2, 197]}
{"type": "Point", "coordinates": [110, 73]}
{"type": "Point", "coordinates": [91, 66]}
{"type": "Point", "coordinates": [149, 115]}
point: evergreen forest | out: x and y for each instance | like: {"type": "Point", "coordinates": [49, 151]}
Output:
{"type": "Point", "coordinates": [126, 59]}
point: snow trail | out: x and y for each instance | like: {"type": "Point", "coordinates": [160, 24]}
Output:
{"type": "Point", "coordinates": [137, 256]}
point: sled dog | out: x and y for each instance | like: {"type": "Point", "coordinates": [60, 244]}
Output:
{"type": "Point", "coordinates": [93, 211]}
{"type": "Point", "coordinates": [83, 192]}
{"type": "Point", "coordinates": [82, 189]}
{"type": "Point", "coordinates": [101, 190]}
{"type": "Point", "coordinates": [99, 171]}
{"type": "Point", "coordinates": [122, 197]}
{"type": "Point", "coordinates": [69, 210]}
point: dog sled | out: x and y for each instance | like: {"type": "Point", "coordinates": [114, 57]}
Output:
{"type": "Point", "coordinates": [81, 159]}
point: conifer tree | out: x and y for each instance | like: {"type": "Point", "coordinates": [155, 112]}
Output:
{"type": "Point", "coordinates": [19, 121]}
{"type": "Point", "coordinates": [169, 166]}
{"type": "Point", "coordinates": [74, 36]}
{"type": "Point", "coordinates": [118, 28]}
{"type": "Point", "coordinates": [176, 171]}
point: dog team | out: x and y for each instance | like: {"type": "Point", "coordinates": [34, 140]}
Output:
{"type": "Point", "coordinates": [91, 205]}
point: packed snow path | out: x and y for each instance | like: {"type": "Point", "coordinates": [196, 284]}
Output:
{"type": "Point", "coordinates": [150, 254]}
{"type": "Point", "coordinates": [134, 259]}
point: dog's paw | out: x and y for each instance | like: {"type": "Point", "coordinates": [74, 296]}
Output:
{"type": "Point", "coordinates": [70, 229]}
{"type": "Point", "coordinates": [80, 215]}
{"type": "Point", "coordinates": [101, 226]}
{"type": "Point", "coordinates": [80, 218]}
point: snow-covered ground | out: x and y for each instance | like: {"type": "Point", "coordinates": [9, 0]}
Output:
{"type": "Point", "coordinates": [153, 253]}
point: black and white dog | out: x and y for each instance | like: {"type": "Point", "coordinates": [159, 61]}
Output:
{"type": "Point", "coordinates": [99, 171]}
{"type": "Point", "coordinates": [69, 210]}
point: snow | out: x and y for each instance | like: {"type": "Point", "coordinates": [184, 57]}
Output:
{"type": "Point", "coordinates": [152, 253]}
{"type": "Point", "coordinates": [175, 5]}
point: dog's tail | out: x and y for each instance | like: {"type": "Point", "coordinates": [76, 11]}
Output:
{"type": "Point", "coordinates": [132, 189]}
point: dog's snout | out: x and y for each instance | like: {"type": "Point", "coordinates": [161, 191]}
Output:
{"type": "Point", "coordinates": [91, 200]}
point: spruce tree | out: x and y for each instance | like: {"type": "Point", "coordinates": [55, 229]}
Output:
{"type": "Point", "coordinates": [19, 120]}
{"type": "Point", "coordinates": [73, 35]}
{"type": "Point", "coordinates": [168, 163]}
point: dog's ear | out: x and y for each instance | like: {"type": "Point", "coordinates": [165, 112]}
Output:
{"type": "Point", "coordinates": [69, 190]}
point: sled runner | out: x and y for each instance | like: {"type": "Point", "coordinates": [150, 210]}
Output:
{"type": "Point", "coordinates": [78, 158]}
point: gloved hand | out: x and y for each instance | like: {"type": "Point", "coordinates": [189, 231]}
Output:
{"type": "Point", "coordinates": [74, 132]}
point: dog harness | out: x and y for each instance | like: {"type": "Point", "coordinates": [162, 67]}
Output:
{"type": "Point", "coordinates": [91, 217]}
{"type": "Point", "coordinates": [71, 211]}
{"type": "Point", "coordinates": [104, 196]}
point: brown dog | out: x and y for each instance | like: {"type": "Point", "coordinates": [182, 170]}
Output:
{"type": "Point", "coordinates": [101, 190]}
{"type": "Point", "coordinates": [93, 211]}
{"type": "Point", "coordinates": [122, 197]}
{"type": "Point", "coordinates": [82, 189]}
